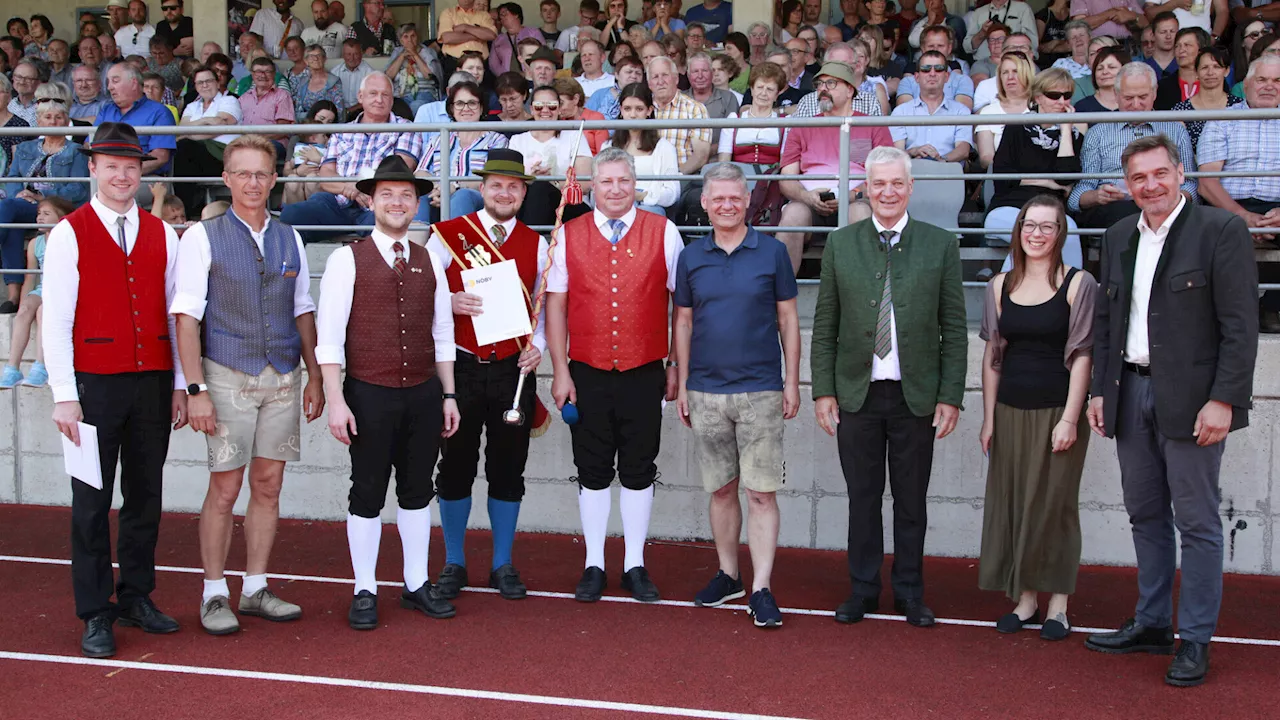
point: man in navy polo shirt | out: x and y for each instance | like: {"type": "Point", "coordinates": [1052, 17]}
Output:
{"type": "Point", "coordinates": [735, 295]}
{"type": "Point", "coordinates": [129, 105]}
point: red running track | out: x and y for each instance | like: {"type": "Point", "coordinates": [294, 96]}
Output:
{"type": "Point", "coordinates": [623, 652]}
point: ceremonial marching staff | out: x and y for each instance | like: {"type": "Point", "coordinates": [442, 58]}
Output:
{"type": "Point", "coordinates": [112, 365]}
{"type": "Point", "coordinates": [609, 295]}
{"type": "Point", "coordinates": [487, 374]}
{"type": "Point", "coordinates": [384, 311]}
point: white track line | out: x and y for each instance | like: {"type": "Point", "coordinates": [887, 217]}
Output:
{"type": "Point", "coordinates": [394, 687]}
{"type": "Point", "coordinates": [620, 599]}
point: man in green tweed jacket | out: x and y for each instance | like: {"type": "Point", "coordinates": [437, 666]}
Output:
{"type": "Point", "coordinates": [888, 357]}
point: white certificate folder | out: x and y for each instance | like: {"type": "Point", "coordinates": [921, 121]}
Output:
{"type": "Point", "coordinates": [83, 462]}
{"type": "Point", "coordinates": [501, 291]}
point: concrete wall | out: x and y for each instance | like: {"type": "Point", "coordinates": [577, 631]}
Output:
{"type": "Point", "coordinates": [813, 503]}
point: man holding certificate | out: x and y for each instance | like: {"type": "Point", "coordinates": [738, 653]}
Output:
{"type": "Point", "coordinates": [609, 292]}
{"type": "Point", "coordinates": [493, 263]}
{"type": "Point", "coordinates": [384, 312]}
{"type": "Point", "coordinates": [111, 271]}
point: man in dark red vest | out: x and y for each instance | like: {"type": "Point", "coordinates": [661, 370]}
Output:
{"type": "Point", "coordinates": [384, 311]}
{"type": "Point", "coordinates": [487, 375]}
{"type": "Point", "coordinates": [112, 365]}
{"type": "Point", "coordinates": [609, 291]}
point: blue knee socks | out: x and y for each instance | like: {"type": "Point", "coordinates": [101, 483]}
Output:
{"type": "Point", "coordinates": [502, 518]}
{"type": "Point", "coordinates": [453, 519]}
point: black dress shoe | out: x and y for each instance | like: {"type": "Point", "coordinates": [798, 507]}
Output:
{"type": "Point", "coordinates": [591, 586]}
{"type": "Point", "coordinates": [98, 640]}
{"type": "Point", "coordinates": [637, 582]}
{"type": "Point", "coordinates": [452, 579]}
{"type": "Point", "coordinates": [429, 601]}
{"type": "Point", "coordinates": [144, 614]}
{"type": "Point", "coordinates": [855, 608]}
{"type": "Point", "coordinates": [507, 581]}
{"type": "Point", "coordinates": [363, 614]}
{"type": "Point", "coordinates": [917, 613]}
{"type": "Point", "coordinates": [1011, 623]}
{"type": "Point", "coordinates": [1190, 666]}
{"type": "Point", "coordinates": [1133, 637]}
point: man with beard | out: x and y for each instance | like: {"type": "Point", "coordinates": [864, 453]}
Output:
{"type": "Point", "coordinates": [276, 26]}
{"type": "Point", "coordinates": [327, 32]}
{"type": "Point", "coordinates": [816, 150]}
{"type": "Point", "coordinates": [487, 375]}
{"type": "Point", "coordinates": [385, 313]}
{"type": "Point", "coordinates": [609, 291]}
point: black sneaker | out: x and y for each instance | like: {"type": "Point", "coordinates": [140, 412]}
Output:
{"type": "Point", "coordinates": [591, 586]}
{"type": "Point", "coordinates": [637, 582]}
{"type": "Point", "coordinates": [363, 614]}
{"type": "Point", "coordinates": [764, 609]}
{"type": "Point", "coordinates": [507, 582]}
{"type": "Point", "coordinates": [451, 581]}
{"type": "Point", "coordinates": [719, 591]}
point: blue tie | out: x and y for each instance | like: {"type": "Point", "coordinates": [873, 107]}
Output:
{"type": "Point", "coordinates": [617, 227]}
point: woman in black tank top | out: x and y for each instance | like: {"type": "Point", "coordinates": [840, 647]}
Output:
{"type": "Point", "coordinates": [1038, 324]}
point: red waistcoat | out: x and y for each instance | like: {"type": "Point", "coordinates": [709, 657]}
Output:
{"type": "Point", "coordinates": [389, 341]}
{"type": "Point", "coordinates": [122, 317]}
{"type": "Point", "coordinates": [521, 246]}
{"type": "Point", "coordinates": [618, 296]}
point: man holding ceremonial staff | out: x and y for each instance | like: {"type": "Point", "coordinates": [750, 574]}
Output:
{"type": "Point", "coordinates": [609, 291]}
{"type": "Point", "coordinates": [385, 313]}
{"type": "Point", "coordinates": [487, 375]}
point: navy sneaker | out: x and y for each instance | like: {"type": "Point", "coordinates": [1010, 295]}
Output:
{"type": "Point", "coordinates": [764, 609]}
{"type": "Point", "coordinates": [719, 591]}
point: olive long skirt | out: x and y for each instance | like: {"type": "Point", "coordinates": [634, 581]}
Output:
{"type": "Point", "coordinates": [1031, 517]}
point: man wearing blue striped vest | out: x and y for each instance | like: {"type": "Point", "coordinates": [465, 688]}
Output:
{"type": "Point", "coordinates": [244, 304]}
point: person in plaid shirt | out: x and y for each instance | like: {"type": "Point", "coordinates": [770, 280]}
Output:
{"type": "Point", "coordinates": [349, 154]}
{"type": "Point", "coordinates": [693, 145]}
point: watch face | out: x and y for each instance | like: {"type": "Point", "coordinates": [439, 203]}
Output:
{"type": "Point", "coordinates": [193, 389]}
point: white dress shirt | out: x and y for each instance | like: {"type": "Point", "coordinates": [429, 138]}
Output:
{"type": "Point", "coordinates": [62, 291]}
{"type": "Point", "coordinates": [221, 103]}
{"type": "Point", "coordinates": [274, 29]}
{"type": "Point", "coordinates": [888, 368]}
{"type": "Point", "coordinates": [441, 253]}
{"type": "Point", "coordinates": [672, 244]}
{"type": "Point", "coordinates": [337, 288]}
{"type": "Point", "coordinates": [1137, 346]}
{"type": "Point", "coordinates": [195, 259]}
{"type": "Point", "coordinates": [133, 40]}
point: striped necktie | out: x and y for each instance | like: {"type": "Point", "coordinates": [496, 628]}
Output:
{"type": "Point", "coordinates": [499, 235]}
{"type": "Point", "coordinates": [617, 227]}
{"type": "Point", "coordinates": [884, 329]}
{"type": "Point", "coordinates": [120, 221]}
{"type": "Point", "coordinates": [398, 248]}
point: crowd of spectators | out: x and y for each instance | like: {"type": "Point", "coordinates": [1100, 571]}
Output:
{"type": "Point", "coordinates": [663, 61]}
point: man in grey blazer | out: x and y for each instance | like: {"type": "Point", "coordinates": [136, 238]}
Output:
{"type": "Point", "coordinates": [1174, 350]}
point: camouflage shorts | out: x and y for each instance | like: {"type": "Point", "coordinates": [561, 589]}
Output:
{"type": "Point", "coordinates": [738, 436]}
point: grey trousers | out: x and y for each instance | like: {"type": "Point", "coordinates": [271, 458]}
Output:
{"type": "Point", "coordinates": [1170, 483]}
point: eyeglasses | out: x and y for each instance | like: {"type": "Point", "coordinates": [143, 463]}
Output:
{"type": "Point", "coordinates": [25, 78]}
{"type": "Point", "coordinates": [546, 106]}
{"type": "Point", "coordinates": [466, 103]}
{"type": "Point", "coordinates": [1029, 227]}
{"type": "Point", "coordinates": [828, 84]}
{"type": "Point", "coordinates": [208, 81]}
{"type": "Point", "coordinates": [1057, 94]}
{"type": "Point", "coordinates": [246, 175]}
{"type": "Point", "coordinates": [933, 69]}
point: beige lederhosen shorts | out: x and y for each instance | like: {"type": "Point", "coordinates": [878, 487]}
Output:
{"type": "Point", "coordinates": [738, 435]}
{"type": "Point", "coordinates": [258, 415]}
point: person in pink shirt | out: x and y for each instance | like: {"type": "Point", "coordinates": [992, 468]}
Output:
{"type": "Point", "coordinates": [266, 104]}
{"type": "Point", "coordinates": [1110, 17]}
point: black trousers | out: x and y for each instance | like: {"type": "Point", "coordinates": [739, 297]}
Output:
{"type": "Point", "coordinates": [620, 415]}
{"type": "Point", "coordinates": [486, 391]}
{"type": "Point", "coordinates": [885, 427]}
{"type": "Point", "coordinates": [193, 159]}
{"type": "Point", "coordinates": [395, 428]}
{"type": "Point", "coordinates": [132, 412]}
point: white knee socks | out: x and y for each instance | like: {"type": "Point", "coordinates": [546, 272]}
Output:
{"type": "Point", "coordinates": [636, 506]}
{"type": "Point", "coordinates": [363, 537]}
{"type": "Point", "coordinates": [415, 539]}
{"type": "Point", "coordinates": [594, 506]}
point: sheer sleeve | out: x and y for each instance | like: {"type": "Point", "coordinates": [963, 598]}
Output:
{"type": "Point", "coordinates": [1080, 326]}
{"type": "Point", "coordinates": [990, 330]}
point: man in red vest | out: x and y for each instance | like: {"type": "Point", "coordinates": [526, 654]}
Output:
{"type": "Point", "coordinates": [487, 375]}
{"type": "Point", "coordinates": [384, 311]}
{"type": "Point", "coordinates": [112, 365]}
{"type": "Point", "coordinates": [610, 284]}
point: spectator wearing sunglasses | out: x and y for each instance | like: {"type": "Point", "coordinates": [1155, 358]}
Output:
{"type": "Point", "coordinates": [1038, 149]}
{"type": "Point", "coordinates": [944, 143]}
{"type": "Point", "coordinates": [957, 86]}
{"type": "Point", "coordinates": [177, 28]}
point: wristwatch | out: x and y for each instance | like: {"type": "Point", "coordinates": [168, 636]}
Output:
{"type": "Point", "coordinates": [194, 389]}
{"type": "Point", "coordinates": [450, 396]}
{"type": "Point", "coordinates": [672, 364]}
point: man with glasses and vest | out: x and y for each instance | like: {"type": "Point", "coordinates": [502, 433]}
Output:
{"type": "Point", "coordinates": [385, 313]}
{"type": "Point", "coordinates": [112, 365]}
{"type": "Point", "coordinates": [612, 274]}
{"type": "Point", "coordinates": [487, 375]}
{"type": "Point", "coordinates": [245, 323]}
